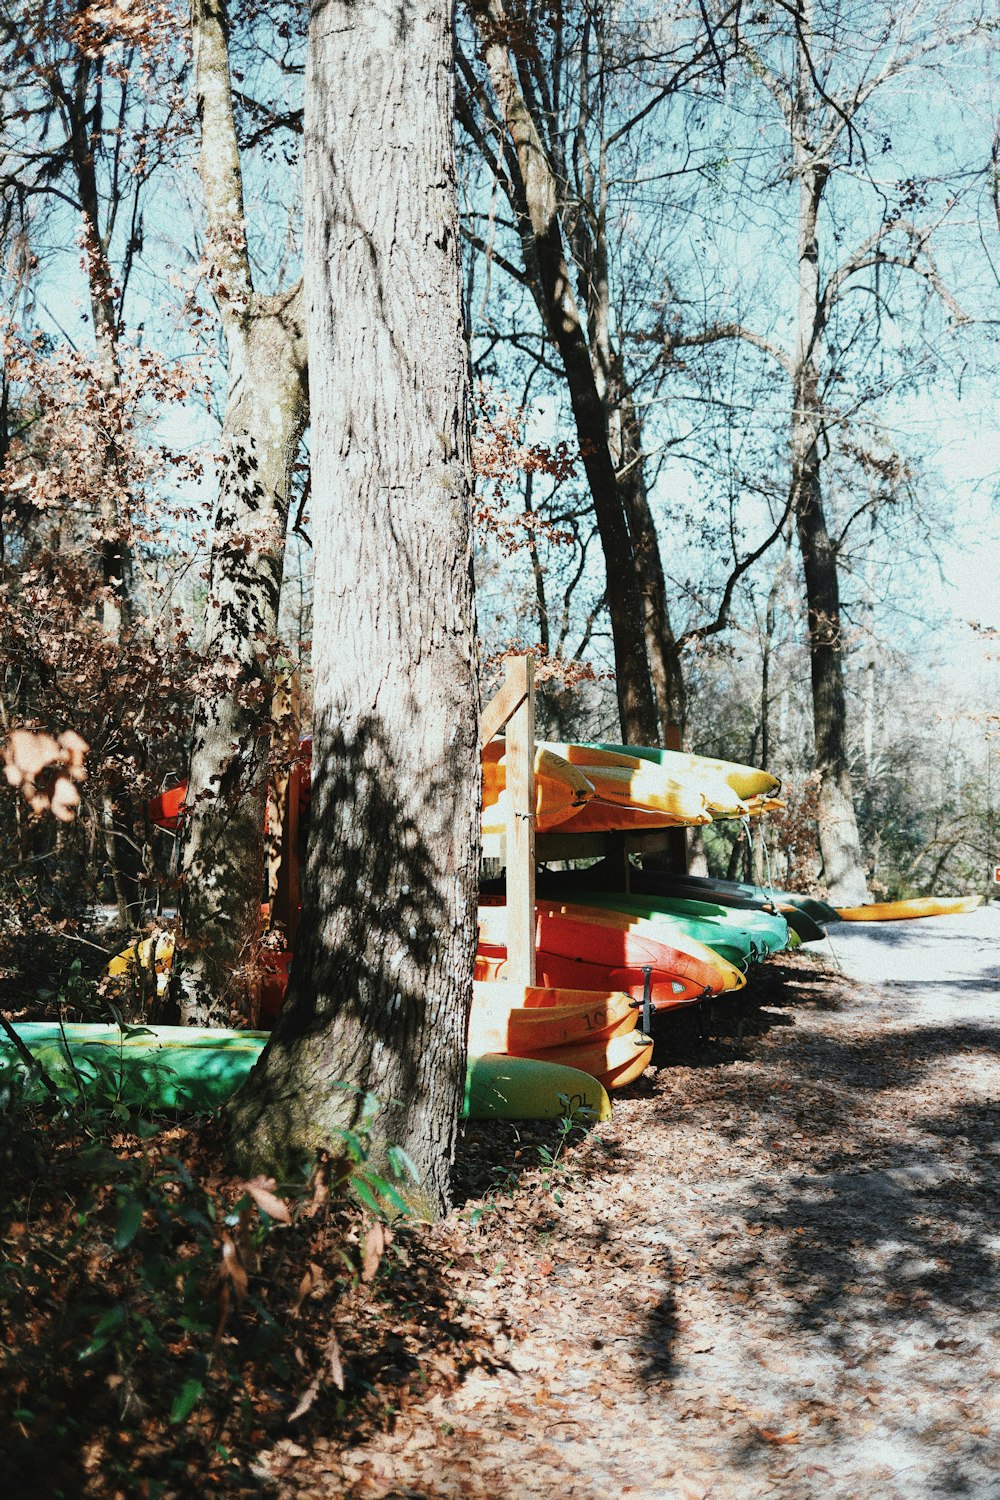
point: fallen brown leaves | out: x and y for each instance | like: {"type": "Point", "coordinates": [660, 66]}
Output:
{"type": "Point", "coordinates": [676, 1311]}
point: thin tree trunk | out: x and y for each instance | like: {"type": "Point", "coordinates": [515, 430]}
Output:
{"type": "Point", "coordinates": [837, 825]}
{"type": "Point", "coordinates": [838, 830]}
{"type": "Point", "coordinates": [545, 262]}
{"type": "Point", "coordinates": [112, 524]}
{"type": "Point", "coordinates": [382, 977]}
{"type": "Point", "coordinates": [666, 669]}
{"type": "Point", "coordinates": [222, 856]}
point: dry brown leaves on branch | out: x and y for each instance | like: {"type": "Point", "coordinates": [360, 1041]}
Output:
{"type": "Point", "coordinates": [47, 770]}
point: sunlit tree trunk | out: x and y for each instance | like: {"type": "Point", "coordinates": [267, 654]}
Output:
{"type": "Point", "coordinates": [382, 976]}
{"type": "Point", "coordinates": [547, 267]}
{"type": "Point", "coordinates": [222, 856]}
{"type": "Point", "coordinates": [840, 845]}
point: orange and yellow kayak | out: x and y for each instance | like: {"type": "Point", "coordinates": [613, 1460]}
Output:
{"type": "Point", "coordinates": [560, 789]}
{"type": "Point", "coordinates": [520, 1021]}
{"type": "Point", "coordinates": [580, 947]}
{"type": "Point", "coordinates": [900, 911]}
{"type": "Point", "coordinates": [614, 1062]}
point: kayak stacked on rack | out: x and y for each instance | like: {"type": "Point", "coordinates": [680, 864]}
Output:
{"type": "Point", "coordinates": [664, 949]}
{"type": "Point", "coordinates": [583, 788]}
{"type": "Point", "coordinates": [590, 1027]}
{"type": "Point", "coordinates": [606, 963]}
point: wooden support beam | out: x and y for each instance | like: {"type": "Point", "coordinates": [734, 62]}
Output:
{"type": "Point", "coordinates": [520, 758]}
{"type": "Point", "coordinates": [508, 699]}
{"type": "Point", "coordinates": [677, 856]}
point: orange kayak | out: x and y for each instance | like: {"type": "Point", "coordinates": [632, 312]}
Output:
{"type": "Point", "coordinates": [601, 816]}
{"type": "Point", "coordinates": [614, 1062]}
{"type": "Point", "coordinates": [579, 947]}
{"type": "Point", "coordinates": [519, 1021]}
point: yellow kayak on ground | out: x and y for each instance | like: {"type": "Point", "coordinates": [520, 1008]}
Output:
{"type": "Point", "coordinates": [901, 911]}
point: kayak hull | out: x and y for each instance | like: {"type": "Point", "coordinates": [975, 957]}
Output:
{"type": "Point", "coordinates": [614, 1063]}
{"type": "Point", "coordinates": [901, 911]}
{"type": "Point", "coordinates": [611, 941]}
{"type": "Point", "coordinates": [739, 937]}
{"type": "Point", "coordinates": [192, 1069]}
{"type": "Point", "coordinates": [545, 1017]}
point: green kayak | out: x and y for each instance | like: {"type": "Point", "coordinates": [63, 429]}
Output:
{"type": "Point", "coordinates": [577, 885]}
{"type": "Point", "coordinates": [186, 1067]}
{"type": "Point", "coordinates": [768, 932]}
{"type": "Point", "coordinates": [728, 894]}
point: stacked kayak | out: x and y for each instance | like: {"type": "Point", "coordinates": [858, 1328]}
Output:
{"type": "Point", "coordinates": [585, 947]}
{"type": "Point", "coordinates": [602, 963]}
{"type": "Point", "coordinates": [636, 787]}
{"type": "Point", "coordinates": [560, 789]}
{"type": "Point", "coordinates": [588, 788]}
{"type": "Point", "coordinates": [740, 937]}
{"type": "Point", "coordinates": [189, 1068]}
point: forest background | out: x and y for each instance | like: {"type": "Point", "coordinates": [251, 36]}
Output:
{"type": "Point", "coordinates": [730, 286]}
{"type": "Point", "coordinates": [673, 143]}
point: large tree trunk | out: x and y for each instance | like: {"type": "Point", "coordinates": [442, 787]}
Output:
{"type": "Point", "coordinates": [837, 825]}
{"type": "Point", "coordinates": [382, 978]}
{"type": "Point", "coordinates": [665, 666]}
{"type": "Point", "coordinates": [222, 857]}
{"type": "Point", "coordinates": [839, 843]}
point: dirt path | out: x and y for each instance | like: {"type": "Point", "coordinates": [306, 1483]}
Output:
{"type": "Point", "coordinates": [775, 1273]}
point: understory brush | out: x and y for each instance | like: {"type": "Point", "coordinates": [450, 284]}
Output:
{"type": "Point", "coordinates": [164, 1321]}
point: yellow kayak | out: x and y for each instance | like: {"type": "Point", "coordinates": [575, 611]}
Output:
{"type": "Point", "coordinates": [614, 1062]}
{"type": "Point", "coordinates": [900, 911]}
{"type": "Point", "coordinates": [634, 782]}
{"type": "Point", "coordinates": [745, 781]}
{"type": "Point", "coordinates": [522, 1020]}
{"type": "Point", "coordinates": [560, 789]}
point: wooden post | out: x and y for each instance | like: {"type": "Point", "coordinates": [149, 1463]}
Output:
{"type": "Point", "coordinates": [283, 861]}
{"type": "Point", "coordinates": [520, 757]}
{"type": "Point", "coordinates": [677, 853]}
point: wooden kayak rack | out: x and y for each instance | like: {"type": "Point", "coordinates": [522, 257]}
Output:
{"type": "Point", "coordinates": [519, 848]}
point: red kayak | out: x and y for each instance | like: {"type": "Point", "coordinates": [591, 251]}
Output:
{"type": "Point", "coordinates": [577, 948]}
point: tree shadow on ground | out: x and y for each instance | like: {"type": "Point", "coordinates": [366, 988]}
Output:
{"type": "Point", "coordinates": [879, 1215]}
{"type": "Point", "coordinates": [712, 1034]}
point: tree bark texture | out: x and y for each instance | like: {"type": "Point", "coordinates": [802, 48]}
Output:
{"type": "Point", "coordinates": [112, 524]}
{"type": "Point", "coordinates": [382, 978]}
{"type": "Point", "coordinates": [665, 666]}
{"type": "Point", "coordinates": [222, 856]}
